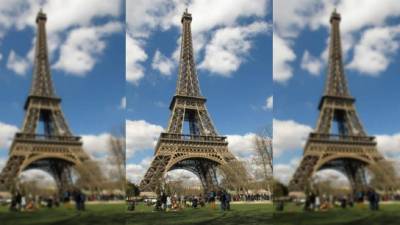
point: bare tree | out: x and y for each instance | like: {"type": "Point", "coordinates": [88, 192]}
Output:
{"type": "Point", "coordinates": [235, 176]}
{"type": "Point", "coordinates": [118, 158]}
{"type": "Point", "coordinates": [264, 157]}
{"type": "Point", "coordinates": [384, 176]}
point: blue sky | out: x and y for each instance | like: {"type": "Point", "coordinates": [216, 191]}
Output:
{"type": "Point", "coordinates": [87, 67]}
{"type": "Point", "coordinates": [299, 77]}
{"type": "Point", "coordinates": [236, 94]}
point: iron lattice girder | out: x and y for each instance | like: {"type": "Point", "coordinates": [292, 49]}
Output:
{"type": "Point", "coordinates": [56, 146]}
{"type": "Point", "coordinates": [203, 147]}
{"type": "Point", "coordinates": [350, 148]}
{"type": "Point", "coordinates": [170, 153]}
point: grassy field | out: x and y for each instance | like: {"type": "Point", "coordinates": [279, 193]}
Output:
{"type": "Point", "coordinates": [293, 215]}
{"type": "Point", "coordinates": [246, 214]}
{"type": "Point", "coordinates": [94, 214]}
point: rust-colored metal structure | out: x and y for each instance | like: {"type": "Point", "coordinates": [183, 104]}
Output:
{"type": "Point", "coordinates": [45, 141]}
{"type": "Point", "coordinates": [198, 149]}
{"type": "Point", "coordinates": [346, 147]}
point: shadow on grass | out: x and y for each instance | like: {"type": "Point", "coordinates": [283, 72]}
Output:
{"type": "Point", "coordinates": [388, 215]}
{"type": "Point", "coordinates": [240, 214]}
{"type": "Point", "coordinates": [95, 214]}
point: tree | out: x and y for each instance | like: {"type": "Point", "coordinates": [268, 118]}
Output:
{"type": "Point", "coordinates": [235, 176]}
{"type": "Point", "coordinates": [118, 157]}
{"type": "Point", "coordinates": [384, 176]}
{"type": "Point", "coordinates": [264, 157]}
{"type": "Point", "coordinates": [132, 190]}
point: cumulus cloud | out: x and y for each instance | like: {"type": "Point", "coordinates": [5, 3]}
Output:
{"type": "Point", "coordinates": [96, 145]}
{"type": "Point", "coordinates": [44, 178]}
{"type": "Point", "coordinates": [289, 135]}
{"type": "Point", "coordinates": [372, 55]}
{"type": "Point", "coordinates": [292, 17]}
{"type": "Point", "coordinates": [7, 132]}
{"type": "Point", "coordinates": [17, 63]}
{"type": "Point", "coordinates": [388, 144]}
{"type": "Point", "coordinates": [241, 145]}
{"type": "Point", "coordinates": [282, 56]}
{"type": "Point", "coordinates": [135, 54]}
{"type": "Point", "coordinates": [228, 47]}
{"type": "Point", "coordinates": [311, 64]}
{"type": "Point", "coordinates": [136, 171]}
{"type": "Point", "coordinates": [141, 135]}
{"type": "Point", "coordinates": [220, 24]}
{"type": "Point", "coordinates": [162, 63]}
{"type": "Point", "coordinates": [63, 18]}
{"type": "Point", "coordinates": [283, 172]}
{"type": "Point", "coordinates": [84, 45]}
{"type": "Point", "coordinates": [269, 103]}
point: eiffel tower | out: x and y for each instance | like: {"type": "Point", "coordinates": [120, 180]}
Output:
{"type": "Point", "coordinates": [45, 142]}
{"type": "Point", "coordinates": [201, 150]}
{"type": "Point", "coordinates": [345, 147]}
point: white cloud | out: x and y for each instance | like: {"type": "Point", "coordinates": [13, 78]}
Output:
{"type": "Point", "coordinates": [228, 47]}
{"type": "Point", "coordinates": [134, 56]}
{"type": "Point", "coordinates": [269, 103]}
{"type": "Point", "coordinates": [141, 135]}
{"type": "Point", "coordinates": [84, 45]}
{"type": "Point", "coordinates": [187, 178]}
{"type": "Point", "coordinates": [17, 63]}
{"type": "Point", "coordinates": [282, 56]}
{"type": "Point", "coordinates": [372, 54]}
{"type": "Point", "coordinates": [388, 143]}
{"type": "Point", "coordinates": [123, 103]}
{"type": "Point", "coordinates": [143, 18]}
{"type": "Point", "coordinates": [7, 132]}
{"type": "Point", "coordinates": [289, 135]}
{"type": "Point", "coordinates": [284, 172]}
{"type": "Point", "coordinates": [135, 172]}
{"type": "Point", "coordinates": [44, 178]}
{"type": "Point", "coordinates": [96, 145]}
{"type": "Point", "coordinates": [312, 64]}
{"type": "Point", "coordinates": [291, 17]}
{"type": "Point", "coordinates": [241, 145]}
{"type": "Point", "coordinates": [63, 17]}
{"type": "Point", "coordinates": [162, 63]}
{"type": "Point", "coordinates": [336, 178]}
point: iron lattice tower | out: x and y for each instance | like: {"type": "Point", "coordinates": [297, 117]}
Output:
{"type": "Point", "coordinates": [45, 141]}
{"type": "Point", "coordinates": [201, 150]}
{"type": "Point", "coordinates": [346, 148]}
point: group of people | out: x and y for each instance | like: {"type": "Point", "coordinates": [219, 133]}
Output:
{"type": "Point", "coordinates": [22, 202]}
{"type": "Point", "coordinates": [167, 202]}
{"type": "Point", "coordinates": [315, 202]}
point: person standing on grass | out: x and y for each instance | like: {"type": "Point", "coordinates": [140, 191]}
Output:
{"type": "Point", "coordinates": [163, 201]}
{"type": "Point", "coordinates": [169, 203]}
{"type": "Point", "coordinates": [212, 199]}
{"type": "Point", "coordinates": [82, 199]}
{"type": "Point", "coordinates": [223, 200]}
{"type": "Point", "coordinates": [317, 203]}
{"type": "Point", "coordinates": [228, 201]}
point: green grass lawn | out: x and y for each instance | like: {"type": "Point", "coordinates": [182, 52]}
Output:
{"type": "Point", "coordinates": [245, 214]}
{"type": "Point", "coordinates": [293, 215]}
{"type": "Point", "coordinates": [94, 215]}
